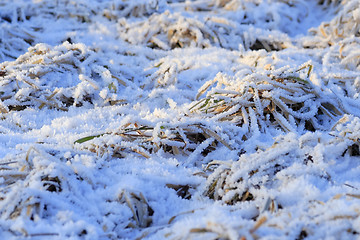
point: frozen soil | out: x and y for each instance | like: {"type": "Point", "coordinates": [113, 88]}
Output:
{"type": "Point", "coordinates": [171, 119]}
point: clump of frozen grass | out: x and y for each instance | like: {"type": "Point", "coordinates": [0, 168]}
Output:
{"type": "Point", "coordinates": [347, 131]}
{"type": "Point", "coordinates": [345, 25]}
{"type": "Point", "coordinates": [167, 31]}
{"type": "Point", "coordinates": [202, 229]}
{"type": "Point", "coordinates": [345, 53]}
{"type": "Point", "coordinates": [238, 181]}
{"type": "Point", "coordinates": [14, 41]}
{"type": "Point", "coordinates": [279, 16]}
{"type": "Point", "coordinates": [234, 182]}
{"type": "Point", "coordinates": [219, 222]}
{"type": "Point", "coordinates": [59, 77]}
{"type": "Point", "coordinates": [349, 53]}
{"type": "Point", "coordinates": [41, 186]}
{"type": "Point", "coordinates": [140, 208]}
{"type": "Point", "coordinates": [275, 171]}
{"type": "Point", "coordinates": [19, 32]}
{"type": "Point", "coordinates": [173, 30]}
{"type": "Point", "coordinates": [81, 11]}
{"type": "Point", "coordinates": [26, 193]}
{"type": "Point", "coordinates": [65, 9]}
{"type": "Point", "coordinates": [167, 71]}
{"type": "Point", "coordinates": [132, 8]}
{"type": "Point", "coordinates": [144, 140]}
{"type": "Point", "coordinates": [258, 101]}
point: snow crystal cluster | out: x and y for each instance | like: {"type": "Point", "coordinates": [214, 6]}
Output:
{"type": "Point", "coordinates": [173, 119]}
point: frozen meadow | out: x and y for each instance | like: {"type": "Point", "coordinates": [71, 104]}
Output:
{"type": "Point", "coordinates": [180, 119]}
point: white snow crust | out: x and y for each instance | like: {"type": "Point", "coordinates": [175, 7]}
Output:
{"type": "Point", "coordinates": [180, 119]}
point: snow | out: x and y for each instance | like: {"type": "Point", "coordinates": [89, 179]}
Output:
{"type": "Point", "coordinates": [171, 119]}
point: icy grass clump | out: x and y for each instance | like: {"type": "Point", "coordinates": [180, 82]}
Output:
{"type": "Point", "coordinates": [168, 30]}
{"type": "Point", "coordinates": [21, 11]}
{"type": "Point", "coordinates": [147, 139]}
{"type": "Point", "coordinates": [135, 8]}
{"type": "Point", "coordinates": [280, 171]}
{"type": "Point", "coordinates": [171, 31]}
{"type": "Point", "coordinates": [47, 184]}
{"type": "Point", "coordinates": [69, 74]}
{"type": "Point", "coordinates": [257, 101]}
{"type": "Point", "coordinates": [13, 41]}
{"type": "Point", "coordinates": [344, 25]}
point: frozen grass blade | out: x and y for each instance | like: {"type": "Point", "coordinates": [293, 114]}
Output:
{"type": "Point", "coordinates": [88, 138]}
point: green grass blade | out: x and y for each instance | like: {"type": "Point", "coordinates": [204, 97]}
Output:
{"type": "Point", "coordinates": [88, 138]}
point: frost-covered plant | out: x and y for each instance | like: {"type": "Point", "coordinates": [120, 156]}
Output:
{"type": "Point", "coordinates": [349, 52]}
{"type": "Point", "coordinates": [14, 41]}
{"type": "Point", "coordinates": [68, 74]}
{"type": "Point", "coordinates": [79, 10]}
{"type": "Point", "coordinates": [139, 206]}
{"type": "Point", "coordinates": [41, 187]}
{"type": "Point", "coordinates": [345, 53]}
{"type": "Point", "coordinates": [173, 30]}
{"type": "Point", "coordinates": [272, 179]}
{"type": "Point", "coordinates": [23, 170]}
{"type": "Point", "coordinates": [232, 33]}
{"type": "Point", "coordinates": [280, 15]}
{"type": "Point", "coordinates": [167, 31]}
{"type": "Point", "coordinates": [167, 71]}
{"type": "Point", "coordinates": [132, 8]}
{"type": "Point", "coordinates": [345, 25]}
{"type": "Point", "coordinates": [241, 180]}
{"type": "Point", "coordinates": [134, 138]}
{"type": "Point", "coordinates": [211, 230]}
{"type": "Point", "coordinates": [257, 101]}
{"type": "Point", "coordinates": [347, 135]}
{"type": "Point", "coordinates": [24, 11]}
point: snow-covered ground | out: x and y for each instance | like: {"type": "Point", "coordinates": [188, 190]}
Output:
{"type": "Point", "coordinates": [173, 119]}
